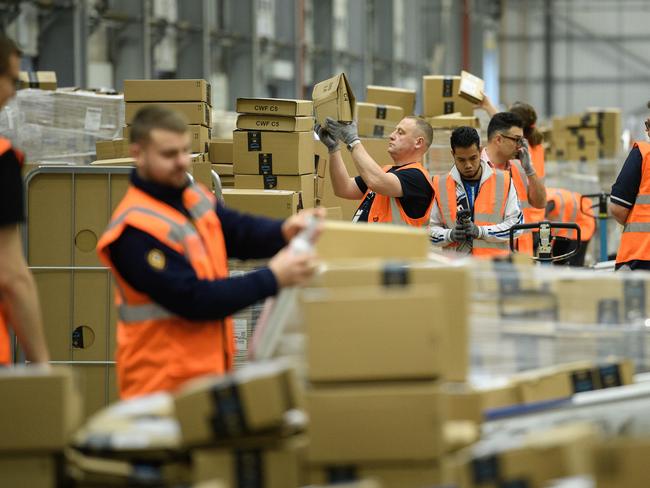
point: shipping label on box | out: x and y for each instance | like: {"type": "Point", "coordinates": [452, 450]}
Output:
{"type": "Point", "coordinates": [198, 113]}
{"type": "Point", "coordinates": [273, 153]}
{"type": "Point", "coordinates": [334, 98]}
{"type": "Point", "coordinates": [278, 204]}
{"type": "Point", "coordinates": [167, 91]}
{"type": "Point", "coordinates": [275, 106]}
{"type": "Point", "coordinates": [471, 87]}
{"type": "Point", "coordinates": [275, 123]}
{"type": "Point", "coordinates": [387, 95]}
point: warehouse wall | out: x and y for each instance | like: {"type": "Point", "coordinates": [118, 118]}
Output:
{"type": "Point", "coordinates": [599, 55]}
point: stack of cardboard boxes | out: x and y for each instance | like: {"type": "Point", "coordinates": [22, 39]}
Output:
{"type": "Point", "coordinates": [384, 108]}
{"type": "Point", "coordinates": [589, 136]}
{"type": "Point", "coordinates": [191, 98]}
{"type": "Point", "coordinates": [220, 154]}
{"type": "Point", "coordinates": [273, 157]}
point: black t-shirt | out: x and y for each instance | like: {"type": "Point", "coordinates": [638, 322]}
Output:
{"type": "Point", "coordinates": [11, 190]}
{"type": "Point", "coordinates": [626, 187]}
{"type": "Point", "coordinates": [417, 193]}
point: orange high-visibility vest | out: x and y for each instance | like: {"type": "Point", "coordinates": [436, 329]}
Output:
{"type": "Point", "coordinates": [489, 209]}
{"type": "Point", "coordinates": [567, 209]}
{"type": "Point", "coordinates": [537, 157]}
{"type": "Point", "coordinates": [157, 350]}
{"type": "Point", "coordinates": [389, 210]}
{"type": "Point", "coordinates": [635, 240]}
{"type": "Point", "coordinates": [531, 214]}
{"type": "Point", "coordinates": [5, 341]}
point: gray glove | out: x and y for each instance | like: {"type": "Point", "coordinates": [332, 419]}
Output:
{"type": "Point", "coordinates": [458, 233]}
{"type": "Point", "coordinates": [326, 138]}
{"type": "Point", "coordinates": [472, 230]}
{"type": "Point", "coordinates": [524, 157]}
{"type": "Point", "coordinates": [344, 132]}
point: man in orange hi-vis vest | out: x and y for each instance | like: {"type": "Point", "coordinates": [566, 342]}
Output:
{"type": "Point", "coordinates": [19, 306]}
{"type": "Point", "coordinates": [167, 246]}
{"type": "Point", "coordinates": [486, 195]}
{"type": "Point", "coordinates": [399, 194]}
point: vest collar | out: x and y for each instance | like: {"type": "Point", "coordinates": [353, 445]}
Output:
{"type": "Point", "coordinates": [171, 196]}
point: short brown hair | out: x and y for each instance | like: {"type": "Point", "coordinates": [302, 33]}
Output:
{"type": "Point", "coordinates": [529, 117]}
{"type": "Point", "coordinates": [155, 117]}
{"type": "Point", "coordinates": [7, 48]}
{"type": "Point", "coordinates": [424, 127]}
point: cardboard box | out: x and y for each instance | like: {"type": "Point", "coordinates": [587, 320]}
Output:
{"type": "Point", "coordinates": [201, 171]}
{"type": "Point", "coordinates": [334, 98]}
{"type": "Point", "coordinates": [278, 204]}
{"type": "Point", "coordinates": [609, 129]}
{"type": "Point", "coordinates": [167, 91]}
{"type": "Point", "coordinates": [373, 348]}
{"type": "Point", "coordinates": [223, 169]}
{"type": "Point", "coordinates": [375, 128]}
{"type": "Point", "coordinates": [275, 466]}
{"type": "Point", "coordinates": [390, 475]}
{"type": "Point", "coordinates": [588, 152]}
{"type": "Point", "coordinates": [333, 213]}
{"type": "Point", "coordinates": [114, 162]}
{"type": "Point", "coordinates": [30, 470]}
{"type": "Point", "coordinates": [621, 463]}
{"type": "Point", "coordinates": [105, 149]}
{"type": "Point", "coordinates": [43, 80]}
{"type": "Point", "coordinates": [372, 111]}
{"type": "Point", "coordinates": [252, 400]}
{"type": "Point", "coordinates": [275, 123]}
{"type": "Point", "coordinates": [45, 423]}
{"type": "Point", "coordinates": [195, 113]}
{"type": "Point", "coordinates": [452, 282]}
{"type": "Point", "coordinates": [200, 136]}
{"type": "Point", "coordinates": [276, 153]}
{"type": "Point", "coordinates": [275, 106]}
{"type": "Point", "coordinates": [220, 151]}
{"type": "Point", "coordinates": [452, 121]}
{"type": "Point", "coordinates": [543, 385]}
{"type": "Point", "coordinates": [121, 148]}
{"type": "Point", "coordinates": [353, 484]}
{"type": "Point", "coordinates": [303, 184]}
{"type": "Point", "coordinates": [345, 240]}
{"type": "Point", "coordinates": [440, 96]}
{"type": "Point", "coordinates": [227, 182]}
{"type": "Point", "coordinates": [388, 95]}
{"type": "Point", "coordinates": [468, 403]}
{"type": "Point", "coordinates": [375, 423]}
{"type": "Point", "coordinates": [471, 87]}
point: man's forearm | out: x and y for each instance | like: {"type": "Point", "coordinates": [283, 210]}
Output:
{"type": "Point", "coordinates": [368, 168]}
{"type": "Point", "coordinates": [536, 192]}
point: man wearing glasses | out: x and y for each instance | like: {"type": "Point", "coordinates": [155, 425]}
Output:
{"type": "Point", "coordinates": [507, 149]}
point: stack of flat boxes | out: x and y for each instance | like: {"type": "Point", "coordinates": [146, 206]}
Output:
{"type": "Point", "coordinates": [191, 98]}
{"type": "Point", "coordinates": [273, 149]}
{"type": "Point", "coordinates": [220, 154]}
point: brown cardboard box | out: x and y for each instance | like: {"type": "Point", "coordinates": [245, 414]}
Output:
{"type": "Point", "coordinates": [278, 204]}
{"type": "Point", "coordinates": [471, 87]}
{"type": "Point", "coordinates": [275, 106]}
{"type": "Point", "coordinates": [373, 348]}
{"type": "Point", "coordinates": [389, 113]}
{"type": "Point", "coordinates": [274, 466]}
{"type": "Point", "coordinates": [543, 385]}
{"type": "Point", "coordinates": [275, 123]}
{"type": "Point", "coordinates": [621, 463]}
{"type": "Point", "coordinates": [167, 91]}
{"type": "Point", "coordinates": [375, 423]}
{"type": "Point", "coordinates": [452, 282]}
{"type": "Point", "coordinates": [223, 169]}
{"type": "Point", "coordinates": [588, 152]}
{"type": "Point", "coordinates": [467, 403]}
{"type": "Point", "coordinates": [375, 127]}
{"type": "Point", "coordinates": [105, 149]}
{"type": "Point", "coordinates": [582, 135]}
{"type": "Point", "coordinates": [201, 171]}
{"type": "Point", "coordinates": [390, 475]}
{"type": "Point", "coordinates": [220, 151]}
{"type": "Point", "coordinates": [114, 162]}
{"type": "Point", "coordinates": [251, 400]}
{"type": "Point", "coordinates": [303, 184]}
{"type": "Point", "coordinates": [277, 153]}
{"type": "Point", "coordinates": [43, 80]}
{"type": "Point", "coordinates": [440, 96]}
{"type": "Point", "coordinates": [452, 121]}
{"type": "Point", "coordinates": [199, 134]}
{"type": "Point", "coordinates": [44, 422]}
{"type": "Point", "coordinates": [345, 240]}
{"type": "Point", "coordinates": [388, 95]}
{"type": "Point", "coordinates": [30, 470]}
{"type": "Point", "coordinates": [121, 148]}
{"type": "Point", "coordinates": [227, 181]}
{"type": "Point", "coordinates": [334, 98]}
{"type": "Point", "coordinates": [610, 130]}
{"type": "Point", "coordinates": [198, 113]}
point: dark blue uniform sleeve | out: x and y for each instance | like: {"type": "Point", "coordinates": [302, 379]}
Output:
{"type": "Point", "coordinates": [248, 236]}
{"type": "Point", "coordinates": [626, 187]}
{"type": "Point", "coordinates": [175, 285]}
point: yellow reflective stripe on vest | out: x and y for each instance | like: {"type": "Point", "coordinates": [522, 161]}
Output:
{"type": "Point", "coordinates": [523, 204]}
{"type": "Point", "coordinates": [444, 202]}
{"type": "Point", "coordinates": [177, 232]}
{"type": "Point", "coordinates": [395, 215]}
{"type": "Point", "coordinates": [496, 216]}
{"type": "Point", "coordinates": [203, 206]}
{"type": "Point", "coordinates": [642, 199]}
{"type": "Point", "coordinates": [140, 313]}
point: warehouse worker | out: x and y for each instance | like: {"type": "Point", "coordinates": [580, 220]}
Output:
{"type": "Point", "coordinates": [167, 245]}
{"type": "Point", "coordinates": [400, 194]}
{"type": "Point", "coordinates": [19, 306]}
{"type": "Point", "coordinates": [507, 149]}
{"type": "Point", "coordinates": [487, 194]}
{"type": "Point", "coordinates": [569, 207]}
{"type": "Point", "coordinates": [630, 206]}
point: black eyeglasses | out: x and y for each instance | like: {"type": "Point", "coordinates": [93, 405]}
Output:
{"type": "Point", "coordinates": [512, 138]}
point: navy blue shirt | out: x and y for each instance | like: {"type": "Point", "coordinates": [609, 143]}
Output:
{"type": "Point", "coordinates": [176, 286]}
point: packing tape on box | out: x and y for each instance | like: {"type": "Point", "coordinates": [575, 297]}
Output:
{"type": "Point", "coordinates": [249, 468]}
{"type": "Point", "coordinates": [229, 419]}
{"type": "Point", "coordinates": [395, 274]}
{"type": "Point", "coordinates": [449, 107]}
{"type": "Point", "coordinates": [447, 88]}
{"type": "Point", "coordinates": [381, 112]}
